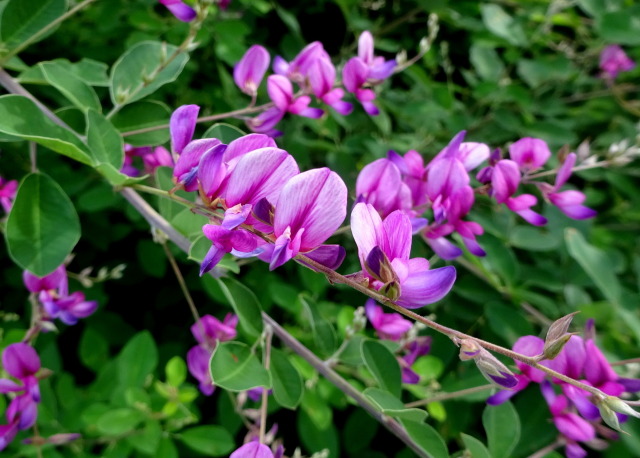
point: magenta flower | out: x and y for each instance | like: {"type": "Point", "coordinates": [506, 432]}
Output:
{"type": "Point", "coordinates": [413, 350]}
{"type": "Point", "coordinates": [322, 78]}
{"type": "Point", "coordinates": [298, 70]}
{"type": "Point", "coordinates": [37, 284]}
{"type": "Point", "coordinates": [310, 208]}
{"type": "Point", "coordinates": [253, 449]}
{"type": "Point", "coordinates": [152, 158]}
{"type": "Point", "coordinates": [208, 331]}
{"type": "Point", "coordinates": [248, 73]}
{"type": "Point", "coordinates": [390, 326]}
{"type": "Point", "coordinates": [8, 191]}
{"type": "Point", "coordinates": [21, 362]}
{"type": "Point", "coordinates": [614, 60]}
{"type": "Point", "coordinates": [281, 93]}
{"type": "Point", "coordinates": [266, 122]}
{"type": "Point", "coordinates": [354, 78]}
{"type": "Point", "coordinates": [380, 184]}
{"type": "Point", "coordinates": [378, 68]}
{"type": "Point", "coordinates": [414, 174]}
{"type": "Point", "coordinates": [569, 202]}
{"type": "Point", "coordinates": [529, 153]}
{"type": "Point", "coordinates": [384, 248]}
{"type": "Point", "coordinates": [180, 10]}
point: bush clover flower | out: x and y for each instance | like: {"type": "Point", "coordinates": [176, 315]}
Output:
{"type": "Point", "coordinates": [8, 191]}
{"type": "Point", "coordinates": [614, 60]}
{"type": "Point", "coordinates": [180, 10]}
{"type": "Point", "coordinates": [249, 71]}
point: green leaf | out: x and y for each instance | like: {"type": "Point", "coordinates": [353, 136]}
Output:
{"type": "Point", "coordinates": [90, 71]}
{"type": "Point", "coordinates": [148, 440]}
{"type": "Point", "coordinates": [427, 438]}
{"type": "Point", "coordinates": [235, 368]}
{"type": "Point", "coordinates": [486, 62]}
{"type": "Point", "coordinates": [502, 425]}
{"type": "Point", "coordinates": [21, 117]}
{"type": "Point", "coordinates": [116, 177]}
{"type": "Point", "coordinates": [475, 447]}
{"type": "Point", "coordinates": [104, 140]}
{"type": "Point", "coordinates": [245, 304]}
{"type": "Point", "coordinates": [137, 360]}
{"type": "Point", "coordinates": [94, 349]}
{"type": "Point", "coordinates": [323, 333]}
{"type": "Point", "coordinates": [595, 263]}
{"type": "Point", "coordinates": [166, 449]}
{"type": "Point", "coordinates": [287, 382]}
{"type": "Point", "coordinates": [622, 27]}
{"type": "Point", "coordinates": [533, 239]}
{"type": "Point", "coordinates": [208, 440]}
{"type": "Point", "coordinates": [383, 365]}
{"type": "Point", "coordinates": [119, 421]}
{"type": "Point", "coordinates": [142, 115]}
{"type": "Point", "coordinates": [501, 24]}
{"type": "Point", "coordinates": [142, 69]}
{"type": "Point", "coordinates": [73, 88]}
{"type": "Point", "coordinates": [43, 227]}
{"type": "Point", "coordinates": [176, 371]}
{"type": "Point", "coordinates": [23, 19]}
{"type": "Point", "coordinates": [392, 405]}
{"type": "Point", "coordinates": [224, 132]}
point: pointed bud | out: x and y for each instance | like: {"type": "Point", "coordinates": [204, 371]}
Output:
{"type": "Point", "coordinates": [492, 369]}
{"type": "Point", "coordinates": [379, 266]}
{"type": "Point", "coordinates": [553, 348]}
{"type": "Point", "coordinates": [391, 290]}
{"type": "Point", "coordinates": [618, 405]}
{"type": "Point", "coordinates": [559, 327]}
{"type": "Point", "coordinates": [469, 349]}
{"type": "Point", "coordinates": [609, 416]}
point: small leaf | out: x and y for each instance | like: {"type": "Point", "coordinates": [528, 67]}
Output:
{"type": "Point", "coordinates": [502, 425]}
{"type": "Point", "coordinates": [501, 24]}
{"type": "Point", "coordinates": [323, 333]}
{"type": "Point", "coordinates": [235, 368]}
{"type": "Point", "coordinates": [21, 117]}
{"type": "Point", "coordinates": [427, 438]}
{"type": "Point", "coordinates": [245, 304]}
{"type": "Point", "coordinates": [43, 226]}
{"type": "Point", "coordinates": [137, 360]}
{"type": "Point", "coordinates": [104, 140]}
{"type": "Point", "coordinates": [141, 115]}
{"type": "Point", "coordinates": [119, 421]}
{"type": "Point", "coordinates": [176, 371]}
{"type": "Point", "coordinates": [142, 69]}
{"type": "Point", "coordinates": [208, 440]}
{"type": "Point", "coordinates": [595, 263]}
{"type": "Point", "coordinates": [226, 133]}
{"type": "Point", "coordinates": [73, 88]}
{"type": "Point", "coordinates": [383, 365]}
{"type": "Point", "coordinates": [475, 447]}
{"type": "Point", "coordinates": [287, 382]}
{"type": "Point", "coordinates": [392, 405]}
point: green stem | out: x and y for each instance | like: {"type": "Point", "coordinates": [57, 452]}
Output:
{"type": "Point", "coordinates": [547, 173]}
{"type": "Point", "coordinates": [36, 36]}
{"type": "Point", "coordinates": [265, 393]}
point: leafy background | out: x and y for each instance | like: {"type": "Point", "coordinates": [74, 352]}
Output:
{"type": "Point", "coordinates": [500, 70]}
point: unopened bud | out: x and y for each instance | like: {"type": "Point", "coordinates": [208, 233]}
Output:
{"type": "Point", "coordinates": [553, 348]}
{"type": "Point", "coordinates": [609, 415]}
{"type": "Point", "coordinates": [391, 290]}
{"type": "Point", "coordinates": [618, 405]}
{"type": "Point", "coordinates": [469, 349]}
{"type": "Point", "coordinates": [401, 58]}
{"type": "Point", "coordinates": [492, 369]}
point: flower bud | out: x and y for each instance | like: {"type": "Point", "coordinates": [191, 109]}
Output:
{"type": "Point", "coordinates": [618, 405]}
{"type": "Point", "coordinates": [609, 415]}
{"type": "Point", "coordinates": [553, 348]}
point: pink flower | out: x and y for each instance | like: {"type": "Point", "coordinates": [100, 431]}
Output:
{"type": "Point", "coordinates": [180, 10]}
{"type": "Point", "coordinates": [248, 73]}
{"type": "Point", "coordinates": [389, 326]}
{"type": "Point", "coordinates": [613, 60]}
{"type": "Point", "coordinates": [8, 191]}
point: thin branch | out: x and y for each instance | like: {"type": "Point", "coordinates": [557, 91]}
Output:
{"type": "Point", "coordinates": [625, 361]}
{"type": "Point", "coordinates": [183, 286]}
{"type": "Point", "coordinates": [265, 393]}
{"type": "Point", "coordinates": [451, 395]}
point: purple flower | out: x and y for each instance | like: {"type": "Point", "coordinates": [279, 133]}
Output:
{"type": "Point", "coordinates": [569, 202]}
{"type": "Point", "coordinates": [613, 60]}
{"type": "Point", "coordinates": [266, 122]}
{"type": "Point", "coordinates": [322, 78]}
{"type": "Point", "coordinates": [380, 184]}
{"type": "Point", "coordinates": [8, 191]}
{"type": "Point", "coordinates": [37, 284]}
{"type": "Point", "coordinates": [248, 73]}
{"type": "Point", "coordinates": [420, 346]}
{"type": "Point", "coordinates": [384, 248]}
{"type": "Point", "coordinates": [389, 326]}
{"type": "Point", "coordinates": [208, 331]}
{"type": "Point", "coordinates": [310, 208]}
{"type": "Point", "coordinates": [152, 158]}
{"type": "Point", "coordinates": [21, 362]}
{"type": "Point", "coordinates": [253, 449]}
{"type": "Point", "coordinates": [378, 68]}
{"type": "Point", "coordinates": [298, 70]}
{"type": "Point", "coordinates": [281, 94]}
{"type": "Point", "coordinates": [180, 10]}
{"type": "Point", "coordinates": [354, 78]}
{"type": "Point", "coordinates": [529, 153]}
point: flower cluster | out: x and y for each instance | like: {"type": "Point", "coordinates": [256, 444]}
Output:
{"type": "Point", "coordinates": [391, 326]}
{"type": "Point", "coordinates": [22, 363]}
{"type": "Point", "coordinates": [208, 331]}
{"type": "Point", "coordinates": [53, 296]}
{"type": "Point", "coordinates": [575, 412]}
{"type": "Point", "coordinates": [260, 188]}
{"type": "Point", "coordinates": [151, 157]}
{"type": "Point", "coordinates": [315, 75]}
{"type": "Point", "coordinates": [444, 186]}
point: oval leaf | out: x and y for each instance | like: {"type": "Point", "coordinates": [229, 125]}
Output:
{"type": "Point", "coordinates": [43, 227]}
{"type": "Point", "coordinates": [104, 140]}
{"type": "Point", "coordinates": [235, 368]}
{"type": "Point", "coordinates": [208, 440]}
{"type": "Point", "coordinates": [21, 20]}
{"type": "Point", "coordinates": [287, 382]}
{"type": "Point", "coordinates": [245, 304]}
{"type": "Point", "coordinates": [502, 425]}
{"type": "Point", "coordinates": [21, 117]}
{"type": "Point", "coordinates": [73, 88]}
{"type": "Point", "coordinates": [383, 365]}
{"type": "Point", "coordinates": [142, 115]}
{"type": "Point", "coordinates": [137, 360]}
{"type": "Point", "coordinates": [142, 69]}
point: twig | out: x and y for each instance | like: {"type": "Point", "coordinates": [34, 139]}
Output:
{"type": "Point", "coordinates": [451, 395]}
{"type": "Point", "coordinates": [268, 333]}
